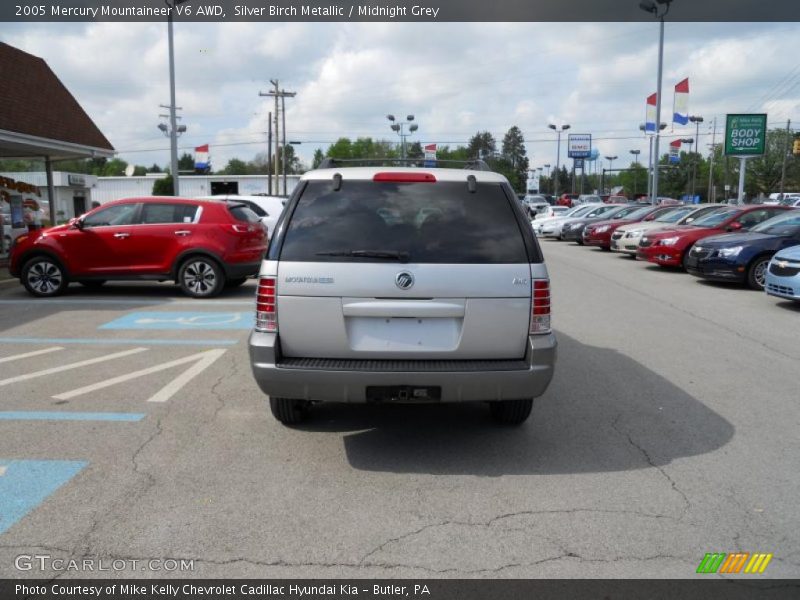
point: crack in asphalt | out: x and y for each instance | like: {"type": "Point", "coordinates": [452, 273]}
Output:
{"type": "Point", "coordinates": [687, 505]}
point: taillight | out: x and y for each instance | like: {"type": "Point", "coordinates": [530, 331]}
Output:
{"type": "Point", "coordinates": [242, 228]}
{"type": "Point", "coordinates": [540, 307]}
{"type": "Point", "coordinates": [404, 177]}
{"type": "Point", "coordinates": [266, 305]}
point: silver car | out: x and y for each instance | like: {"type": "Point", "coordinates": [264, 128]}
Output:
{"type": "Point", "coordinates": [396, 284]}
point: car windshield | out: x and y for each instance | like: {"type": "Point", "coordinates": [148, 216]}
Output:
{"type": "Point", "coordinates": [606, 211]}
{"type": "Point", "coordinates": [715, 218]}
{"type": "Point", "coordinates": [673, 216]}
{"type": "Point", "coordinates": [633, 212]}
{"type": "Point", "coordinates": [580, 211]}
{"type": "Point", "coordinates": [785, 224]}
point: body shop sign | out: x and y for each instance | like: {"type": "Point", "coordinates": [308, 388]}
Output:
{"type": "Point", "coordinates": [745, 135]}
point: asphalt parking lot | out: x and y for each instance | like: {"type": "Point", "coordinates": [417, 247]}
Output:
{"type": "Point", "coordinates": [131, 429]}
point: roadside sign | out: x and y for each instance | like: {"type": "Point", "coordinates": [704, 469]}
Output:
{"type": "Point", "coordinates": [579, 145]}
{"type": "Point", "coordinates": [578, 163]}
{"type": "Point", "coordinates": [745, 135]}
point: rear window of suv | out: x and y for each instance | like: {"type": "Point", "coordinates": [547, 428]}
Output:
{"type": "Point", "coordinates": [242, 212]}
{"type": "Point", "coordinates": [428, 222]}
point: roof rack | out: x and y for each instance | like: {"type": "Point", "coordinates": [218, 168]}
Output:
{"type": "Point", "coordinates": [332, 163]}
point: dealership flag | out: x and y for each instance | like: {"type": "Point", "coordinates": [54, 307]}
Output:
{"type": "Point", "coordinates": [675, 151]}
{"type": "Point", "coordinates": [681, 104]}
{"type": "Point", "coordinates": [201, 162]}
{"type": "Point", "coordinates": [650, 115]}
{"type": "Point", "coordinates": [430, 155]}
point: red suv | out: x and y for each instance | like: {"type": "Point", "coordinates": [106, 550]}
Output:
{"type": "Point", "coordinates": [203, 245]}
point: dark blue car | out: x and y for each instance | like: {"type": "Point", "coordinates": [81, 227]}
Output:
{"type": "Point", "coordinates": [743, 257]}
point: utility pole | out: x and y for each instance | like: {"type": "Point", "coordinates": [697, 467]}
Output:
{"type": "Point", "coordinates": [269, 156]}
{"type": "Point", "coordinates": [712, 192]}
{"type": "Point", "coordinates": [282, 94]}
{"type": "Point", "coordinates": [173, 125]}
{"type": "Point", "coordinates": [785, 154]}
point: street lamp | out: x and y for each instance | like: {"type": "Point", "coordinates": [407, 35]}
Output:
{"type": "Point", "coordinates": [610, 160]}
{"type": "Point", "coordinates": [642, 127]}
{"type": "Point", "coordinates": [558, 154]}
{"type": "Point", "coordinates": [635, 170]}
{"type": "Point", "coordinates": [695, 159]}
{"type": "Point", "coordinates": [652, 7]}
{"type": "Point", "coordinates": [172, 132]}
{"type": "Point", "coordinates": [399, 128]}
{"type": "Point", "coordinates": [547, 167]}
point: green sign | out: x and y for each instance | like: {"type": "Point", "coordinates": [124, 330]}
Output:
{"type": "Point", "coordinates": [745, 135]}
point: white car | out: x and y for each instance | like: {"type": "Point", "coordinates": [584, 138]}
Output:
{"type": "Point", "coordinates": [627, 237]}
{"type": "Point", "coordinates": [551, 211]}
{"type": "Point", "coordinates": [535, 204]}
{"type": "Point", "coordinates": [546, 225]}
{"type": "Point", "coordinates": [556, 228]}
{"type": "Point", "coordinates": [268, 208]}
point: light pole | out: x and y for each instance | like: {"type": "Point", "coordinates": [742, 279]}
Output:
{"type": "Point", "coordinates": [635, 178]}
{"type": "Point", "coordinates": [689, 141]}
{"type": "Point", "coordinates": [399, 129]}
{"type": "Point", "coordinates": [696, 120]}
{"type": "Point", "coordinates": [547, 167]}
{"type": "Point", "coordinates": [172, 131]}
{"type": "Point", "coordinates": [652, 7]}
{"type": "Point", "coordinates": [610, 160]}
{"type": "Point", "coordinates": [650, 169]}
{"type": "Point", "coordinates": [558, 154]}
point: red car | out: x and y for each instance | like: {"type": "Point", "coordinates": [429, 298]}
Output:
{"type": "Point", "coordinates": [203, 245]}
{"type": "Point", "coordinates": [566, 199]}
{"type": "Point", "coordinates": [669, 247]}
{"type": "Point", "coordinates": [599, 234]}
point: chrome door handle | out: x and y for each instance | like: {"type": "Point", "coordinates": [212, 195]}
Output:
{"type": "Point", "coordinates": [182, 232]}
{"type": "Point", "coordinates": [122, 235]}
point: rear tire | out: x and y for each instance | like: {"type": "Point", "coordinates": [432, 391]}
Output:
{"type": "Point", "coordinates": [757, 273]}
{"type": "Point", "coordinates": [511, 412]}
{"type": "Point", "coordinates": [44, 277]}
{"type": "Point", "coordinates": [289, 411]}
{"type": "Point", "coordinates": [201, 277]}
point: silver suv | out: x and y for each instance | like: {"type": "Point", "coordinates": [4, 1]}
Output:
{"type": "Point", "coordinates": [399, 284]}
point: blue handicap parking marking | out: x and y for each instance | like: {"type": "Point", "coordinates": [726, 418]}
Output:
{"type": "Point", "coordinates": [183, 320]}
{"type": "Point", "coordinates": [24, 484]}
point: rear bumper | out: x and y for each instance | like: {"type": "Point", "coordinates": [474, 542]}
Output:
{"type": "Point", "coordinates": [347, 380]}
{"type": "Point", "coordinates": [238, 270]}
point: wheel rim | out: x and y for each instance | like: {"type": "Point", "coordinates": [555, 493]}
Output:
{"type": "Point", "coordinates": [760, 273]}
{"type": "Point", "coordinates": [44, 277]}
{"type": "Point", "coordinates": [199, 277]}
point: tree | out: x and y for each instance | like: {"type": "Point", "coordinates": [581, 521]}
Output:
{"type": "Point", "coordinates": [481, 144]}
{"type": "Point", "coordinates": [114, 168]}
{"type": "Point", "coordinates": [342, 148]}
{"type": "Point", "coordinates": [414, 150]}
{"type": "Point", "coordinates": [154, 169]}
{"type": "Point", "coordinates": [634, 181]}
{"type": "Point", "coordinates": [163, 186]}
{"type": "Point", "coordinates": [516, 156]}
{"type": "Point", "coordinates": [186, 162]}
{"type": "Point", "coordinates": [139, 171]}
{"type": "Point", "coordinates": [235, 166]}
{"type": "Point", "coordinates": [318, 158]}
{"type": "Point", "coordinates": [292, 161]}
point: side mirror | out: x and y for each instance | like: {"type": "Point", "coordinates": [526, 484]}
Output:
{"type": "Point", "coordinates": [76, 222]}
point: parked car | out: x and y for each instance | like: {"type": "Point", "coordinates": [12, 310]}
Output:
{"type": "Point", "coordinates": [573, 228]}
{"type": "Point", "coordinates": [783, 274]}
{"type": "Point", "coordinates": [616, 200]}
{"type": "Point", "coordinates": [268, 208]}
{"type": "Point", "coordinates": [351, 308]}
{"type": "Point", "coordinates": [203, 245]}
{"type": "Point", "coordinates": [566, 200]}
{"type": "Point", "coordinates": [744, 257]}
{"type": "Point", "coordinates": [551, 227]}
{"type": "Point", "coordinates": [535, 204]}
{"type": "Point", "coordinates": [546, 225]}
{"type": "Point", "coordinates": [670, 247]}
{"type": "Point", "coordinates": [599, 233]}
{"type": "Point", "coordinates": [551, 211]}
{"type": "Point", "coordinates": [588, 199]}
{"type": "Point", "coordinates": [792, 200]}
{"type": "Point", "coordinates": [627, 237]}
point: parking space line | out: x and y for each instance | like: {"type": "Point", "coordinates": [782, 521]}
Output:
{"type": "Point", "coordinates": [176, 384]}
{"type": "Point", "coordinates": [68, 416]}
{"type": "Point", "coordinates": [30, 354]}
{"type": "Point", "coordinates": [75, 365]}
{"type": "Point", "coordinates": [205, 359]}
{"type": "Point", "coordinates": [123, 341]}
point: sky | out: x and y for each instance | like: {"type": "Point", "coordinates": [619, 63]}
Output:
{"type": "Point", "coordinates": [456, 78]}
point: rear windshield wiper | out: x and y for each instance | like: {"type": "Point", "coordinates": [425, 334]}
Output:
{"type": "Point", "coordinates": [387, 254]}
